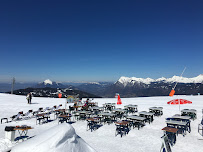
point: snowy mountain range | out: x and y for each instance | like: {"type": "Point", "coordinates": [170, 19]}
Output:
{"type": "Point", "coordinates": [126, 80]}
{"type": "Point", "coordinates": [131, 87]}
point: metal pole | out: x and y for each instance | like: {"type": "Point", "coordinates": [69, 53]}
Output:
{"type": "Point", "coordinates": [179, 105]}
{"type": "Point", "coordinates": [13, 82]}
{"type": "Point", "coordinates": [180, 76]}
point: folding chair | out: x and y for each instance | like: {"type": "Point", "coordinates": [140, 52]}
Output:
{"type": "Point", "coordinates": [58, 107]}
{"type": "Point", "coordinates": [51, 110]}
{"type": "Point", "coordinates": [17, 117]}
{"type": "Point", "coordinates": [46, 109]}
{"type": "Point", "coordinates": [26, 115]}
{"type": "Point", "coordinates": [38, 111]}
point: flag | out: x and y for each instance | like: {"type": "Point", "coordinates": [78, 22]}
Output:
{"type": "Point", "coordinates": [172, 93]}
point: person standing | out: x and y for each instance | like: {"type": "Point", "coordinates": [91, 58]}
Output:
{"type": "Point", "coordinates": [87, 101]}
{"type": "Point", "coordinates": [75, 106]}
{"type": "Point", "coordinates": [29, 98]}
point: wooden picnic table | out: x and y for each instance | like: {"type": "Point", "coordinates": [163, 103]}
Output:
{"type": "Point", "coordinates": [169, 129]}
{"type": "Point", "coordinates": [60, 110]}
{"type": "Point", "coordinates": [42, 116]}
{"type": "Point", "coordinates": [107, 117]}
{"type": "Point", "coordinates": [181, 125]}
{"type": "Point", "coordinates": [189, 112]}
{"type": "Point", "coordinates": [122, 123]}
{"type": "Point", "coordinates": [91, 104]}
{"type": "Point", "coordinates": [131, 106]}
{"type": "Point", "coordinates": [97, 108]}
{"type": "Point", "coordinates": [138, 118]}
{"type": "Point", "coordinates": [178, 123]}
{"type": "Point", "coordinates": [23, 128]}
{"type": "Point", "coordinates": [119, 110]}
{"type": "Point", "coordinates": [137, 121]}
{"type": "Point", "coordinates": [78, 106]}
{"type": "Point", "coordinates": [122, 127]}
{"type": "Point", "coordinates": [181, 117]}
{"type": "Point", "coordinates": [171, 134]}
{"type": "Point", "coordinates": [147, 115]}
{"type": "Point", "coordinates": [63, 118]}
{"type": "Point", "coordinates": [177, 120]}
{"type": "Point", "coordinates": [93, 119]}
{"type": "Point", "coordinates": [83, 112]}
{"type": "Point", "coordinates": [92, 123]}
{"type": "Point", "coordinates": [156, 108]}
{"type": "Point", "coordinates": [107, 114]}
{"type": "Point", "coordinates": [109, 104]}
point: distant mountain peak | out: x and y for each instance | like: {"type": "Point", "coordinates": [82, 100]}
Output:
{"type": "Point", "coordinates": [126, 80]}
{"type": "Point", "coordinates": [48, 82]}
{"type": "Point", "coordinates": [51, 84]}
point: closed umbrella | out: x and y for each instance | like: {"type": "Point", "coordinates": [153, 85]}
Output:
{"type": "Point", "coordinates": [119, 100]}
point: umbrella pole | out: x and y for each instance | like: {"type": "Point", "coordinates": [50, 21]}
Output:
{"type": "Point", "coordinates": [179, 105]}
{"type": "Point", "coordinates": [65, 106]}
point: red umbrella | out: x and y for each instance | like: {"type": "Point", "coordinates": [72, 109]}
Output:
{"type": "Point", "coordinates": [179, 101]}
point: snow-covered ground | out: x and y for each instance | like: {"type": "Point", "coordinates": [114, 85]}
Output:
{"type": "Point", "coordinates": [147, 139]}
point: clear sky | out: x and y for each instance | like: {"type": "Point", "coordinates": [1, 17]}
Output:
{"type": "Point", "coordinates": [100, 40]}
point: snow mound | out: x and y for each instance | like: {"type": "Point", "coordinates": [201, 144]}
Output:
{"type": "Point", "coordinates": [61, 138]}
{"type": "Point", "coordinates": [5, 145]}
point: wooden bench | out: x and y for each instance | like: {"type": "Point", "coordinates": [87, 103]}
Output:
{"type": "Point", "coordinates": [21, 138]}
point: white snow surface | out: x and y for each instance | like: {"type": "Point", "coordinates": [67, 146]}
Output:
{"type": "Point", "coordinates": [147, 139]}
{"type": "Point", "coordinates": [48, 82]}
{"type": "Point", "coordinates": [126, 80]}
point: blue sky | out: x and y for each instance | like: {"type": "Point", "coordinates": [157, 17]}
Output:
{"type": "Point", "coordinates": [102, 40]}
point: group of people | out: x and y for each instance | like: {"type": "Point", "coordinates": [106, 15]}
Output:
{"type": "Point", "coordinates": [85, 106]}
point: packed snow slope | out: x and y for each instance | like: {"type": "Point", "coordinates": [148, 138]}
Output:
{"type": "Point", "coordinates": [147, 139]}
{"type": "Point", "coordinates": [60, 138]}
